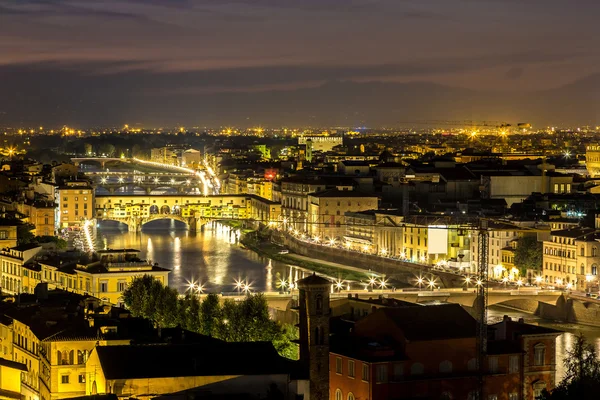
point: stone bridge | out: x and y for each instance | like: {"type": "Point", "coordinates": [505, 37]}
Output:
{"type": "Point", "coordinates": [102, 161]}
{"type": "Point", "coordinates": [135, 224]}
{"type": "Point", "coordinates": [181, 187]}
{"type": "Point", "coordinates": [281, 305]}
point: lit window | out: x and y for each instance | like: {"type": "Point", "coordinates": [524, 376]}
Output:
{"type": "Point", "coordinates": [338, 394]}
{"type": "Point", "coordinates": [338, 365]}
{"type": "Point", "coordinates": [64, 379]}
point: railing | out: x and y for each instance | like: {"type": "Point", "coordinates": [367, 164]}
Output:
{"type": "Point", "coordinates": [128, 264]}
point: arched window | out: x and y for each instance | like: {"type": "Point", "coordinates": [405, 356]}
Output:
{"type": "Point", "coordinates": [350, 396]}
{"type": "Point", "coordinates": [472, 364]}
{"type": "Point", "coordinates": [446, 367]}
{"type": "Point", "coordinates": [538, 387]}
{"type": "Point", "coordinates": [59, 357]}
{"type": "Point", "coordinates": [416, 369]}
{"type": "Point", "coordinates": [539, 354]}
{"type": "Point", "coordinates": [594, 251]}
{"type": "Point", "coordinates": [338, 394]}
{"type": "Point", "coordinates": [594, 269]}
{"type": "Point", "coordinates": [319, 304]}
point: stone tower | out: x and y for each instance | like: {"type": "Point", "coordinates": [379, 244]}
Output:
{"type": "Point", "coordinates": [314, 333]}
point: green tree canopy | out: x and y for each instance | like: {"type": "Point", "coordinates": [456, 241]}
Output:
{"type": "Point", "coordinates": [233, 321]}
{"type": "Point", "coordinates": [24, 234]}
{"type": "Point", "coordinates": [528, 254]}
{"type": "Point", "coordinates": [582, 379]}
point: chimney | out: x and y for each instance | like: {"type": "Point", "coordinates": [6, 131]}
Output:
{"type": "Point", "coordinates": [506, 318]}
{"type": "Point", "coordinates": [521, 321]}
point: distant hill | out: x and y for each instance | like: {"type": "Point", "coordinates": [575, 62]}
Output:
{"type": "Point", "coordinates": [51, 96]}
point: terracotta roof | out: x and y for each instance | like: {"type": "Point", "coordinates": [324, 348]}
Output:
{"type": "Point", "coordinates": [433, 322]}
{"type": "Point", "coordinates": [314, 279]}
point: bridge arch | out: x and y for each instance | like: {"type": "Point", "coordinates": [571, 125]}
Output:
{"type": "Point", "coordinates": [157, 217]}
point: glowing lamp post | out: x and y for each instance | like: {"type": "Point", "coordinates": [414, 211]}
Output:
{"type": "Point", "coordinates": [420, 282]}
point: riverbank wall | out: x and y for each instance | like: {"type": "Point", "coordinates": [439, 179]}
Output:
{"type": "Point", "coordinates": [401, 271]}
{"type": "Point", "coordinates": [572, 310]}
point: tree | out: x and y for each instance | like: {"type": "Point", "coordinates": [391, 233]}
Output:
{"type": "Point", "coordinates": [582, 379]}
{"type": "Point", "coordinates": [210, 315]}
{"type": "Point", "coordinates": [107, 149]}
{"type": "Point", "coordinates": [60, 243]}
{"type": "Point", "coordinates": [24, 234]}
{"type": "Point", "coordinates": [233, 321]}
{"type": "Point", "coordinates": [528, 254]}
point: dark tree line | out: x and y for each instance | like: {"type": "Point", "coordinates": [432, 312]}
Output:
{"type": "Point", "coordinates": [233, 321]}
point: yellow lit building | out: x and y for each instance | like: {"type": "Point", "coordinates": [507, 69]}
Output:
{"type": "Point", "coordinates": [571, 258]}
{"type": "Point", "coordinates": [41, 215]}
{"type": "Point", "coordinates": [21, 345]}
{"type": "Point", "coordinates": [8, 234]}
{"type": "Point", "coordinates": [13, 261]}
{"type": "Point", "coordinates": [221, 206]}
{"type": "Point", "coordinates": [326, 211]}
{"type": "Point", "coordinates": [415, 243]}
{"type": "Point", "coordinates": [75, 203]}
{"type": "Point", "coordinates": [10, 379]}
{"type": "Point", "coordinates": [108, 278]}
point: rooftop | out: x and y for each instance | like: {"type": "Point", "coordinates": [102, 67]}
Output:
{"type": "Point", "coordinates": [211, 359]}
{"type": "Point", "coordinates": [335, 193]}
{"type": "Point", "coordinates": [433, 322]}
{"type": "Point", "coordinates": [12, 364]}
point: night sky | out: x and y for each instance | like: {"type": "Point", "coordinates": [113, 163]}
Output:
{"type": "Point", "coordinates": [300, 62]}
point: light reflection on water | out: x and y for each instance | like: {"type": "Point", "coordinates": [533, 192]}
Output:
{"type": "Point", "coordinates": [210, 257]}
{"type": "Point", "coordinates": [563, 342]}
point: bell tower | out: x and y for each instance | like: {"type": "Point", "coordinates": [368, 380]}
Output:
{"type": "Point", "coordinates": [314, 333]}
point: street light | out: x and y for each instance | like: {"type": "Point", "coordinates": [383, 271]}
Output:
{"type": "Point", "coordinates": [332, 242]}
{"type": "Point", "coordinates": [382, 283]}
{"type": "Point", "coordinates": [431, 284]}
{"type": "Point", "coordinates": [467, 281]}
{"type": "Point", "coordinates": [238, 285]}
{"type": "Point", "coordinates": [339, 285]}
{"type": "Point", "coordinates": [420, 282]}
{"type": "Point", "coordinates": [519, 284]}
{"type": "Point", "coordinates": [538, 279]}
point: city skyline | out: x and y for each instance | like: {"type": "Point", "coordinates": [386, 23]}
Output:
{"type": "Point", "coordinates": [375, 63]}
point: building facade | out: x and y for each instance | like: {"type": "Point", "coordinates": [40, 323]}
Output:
{"type": "Point", "coordinates": [75, 204]}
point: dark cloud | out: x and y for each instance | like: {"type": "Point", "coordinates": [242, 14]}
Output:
{"type": "Point", "coordinates": [514, 73]}
{"type": "Point", "coordinates": [125, 49]}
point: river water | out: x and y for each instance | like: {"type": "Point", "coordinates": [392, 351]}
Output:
{"type": "Point", "coordinates": [210, 257]}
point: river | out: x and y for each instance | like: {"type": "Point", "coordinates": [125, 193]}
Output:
{"type": "Point", "coordinates": [208, 257]}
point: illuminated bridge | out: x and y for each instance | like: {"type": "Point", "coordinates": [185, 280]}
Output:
{"type": "Point", "coordinates": [192, 209]}
{"type": "Point", "coordinates": [527, 299]}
